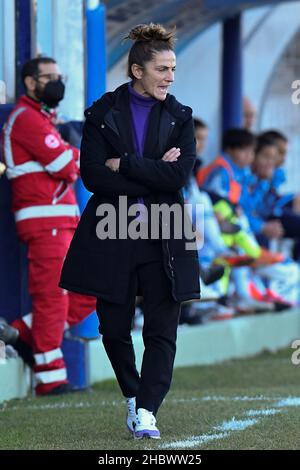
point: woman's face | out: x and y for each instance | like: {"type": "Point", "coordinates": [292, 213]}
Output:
{"type": "Point", "coordinates": [201, 134]}
{"type": "Point", "coordinates": [156, 76]}
{"type": "Point", "coordinates": [265, 162]}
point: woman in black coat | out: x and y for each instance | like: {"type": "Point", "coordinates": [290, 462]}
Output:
{"type": "Point", "coordinates": [137, 153]}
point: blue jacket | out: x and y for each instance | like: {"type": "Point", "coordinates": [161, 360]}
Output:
{"type": "Point", "coordinates": [218, 180]}
{"type": "Point", "coordinates": [279, 177]}
{"type": "Point", "coordinates": [264, 202]}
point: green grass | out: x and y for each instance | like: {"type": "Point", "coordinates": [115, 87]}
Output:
{"type": "Point", "coordinates": [95, 419]}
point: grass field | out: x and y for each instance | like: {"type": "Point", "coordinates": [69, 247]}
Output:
{"type": "Point", "coordinates": [240, 404]}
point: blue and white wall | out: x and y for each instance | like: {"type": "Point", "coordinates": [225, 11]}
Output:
{"type": "Point", "coordinates": [60, 34]}
{"type": "Point", "coordinates": [267, 31]}
{"type": "Point", "coordinates": [7, 53]}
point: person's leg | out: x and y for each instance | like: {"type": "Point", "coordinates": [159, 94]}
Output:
{"type": "Point", "coordinates": [49, 310]}
{"type": "Point", "coordinates": [24, 325]}
{"type": "Point", "coordinates": [80, 307]}
{"type": "Point", "coordinates": [291, 223]}
{"type": "Point", "coordinates": [23, 344]}
{"type": "Point", "coordinates": [115, 327]}
{"type": "Point", "coordinates": [11, 334]}
{"type": "Point", "coordinates": [296, 204]}
{"type": "Point", "coordinates": [161, 317]}
{"type": "Point", "coordinates": [49, 316]}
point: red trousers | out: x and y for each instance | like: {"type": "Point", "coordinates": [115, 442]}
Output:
{"type": "Point", "coordinates": [53, 308]}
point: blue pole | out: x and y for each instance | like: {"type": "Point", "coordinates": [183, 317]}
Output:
{"type": "Point", "coordinates": [24, 34]}
{"type": "Point", "coordinates": [232, 73]}
{"type": "Point", "coordinates": [95, 87]}
{"type": "Point", "coordinates": [96, 53]}
{"type": "Point", "coordinates": [95, 71]}
{"type": "Point", "coordinates": [25, 28]}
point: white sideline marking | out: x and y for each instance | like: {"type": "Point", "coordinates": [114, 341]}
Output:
{"type": "Point", "coordinates": [289, 401]}
{"type": "Point", "coordinates": [227, 427]}
{"type": "Point", "coordinates": [232, 425]}
{"type": "Point", "coordinates": [282, 401]}
{"type": "Point", "coordinates": [236, 424]}
{"type": "Point", "coordinates": [242, 398]}
{"type": "Point", "coordinates": [58, 406]}
{"type": "Point", "coordinates": [267, 412]}
{"type": "Point", "coordinates": [194, 440]}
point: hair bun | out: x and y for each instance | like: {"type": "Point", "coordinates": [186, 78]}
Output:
{"type": "Point", "coordinates": [151, 32]}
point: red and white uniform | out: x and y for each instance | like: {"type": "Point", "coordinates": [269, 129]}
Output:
{"type": "Point", "coordinates": [42, 168]}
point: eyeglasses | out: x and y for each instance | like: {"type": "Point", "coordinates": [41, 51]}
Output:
{"type": "Point", "coordinates": [52, 77]}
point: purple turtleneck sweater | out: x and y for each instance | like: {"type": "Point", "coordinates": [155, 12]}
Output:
{"type": "Point", "coordinates": [140, 110]}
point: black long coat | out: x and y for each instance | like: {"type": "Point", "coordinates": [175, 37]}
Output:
{"type": "Point", "coordinates": [101, 267]}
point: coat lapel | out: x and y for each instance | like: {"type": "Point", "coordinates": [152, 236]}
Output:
{"type": "Point", "coordinates": [160, 127]}
{"type": "Point", "coordinates": [151, 139]}
{"type": "Point", "coordinates": [123, 120]}
{"type": "Point", "coordinates": [118, 124]}
{"type": "Point", "coordinates": [118, 128]}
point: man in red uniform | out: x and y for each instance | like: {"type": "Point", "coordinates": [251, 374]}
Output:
{"type": "Point", "coordinates": [42, 168]}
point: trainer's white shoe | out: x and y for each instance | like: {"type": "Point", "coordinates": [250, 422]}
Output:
{"type": "Point", "coordinates": [146, 425]}
{"type": "Point", "coordinates": [131, 414]}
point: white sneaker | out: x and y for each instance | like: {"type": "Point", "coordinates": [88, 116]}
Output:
{"type": "Point", "coordinates": [131, 414]}
{"type": "Point", "coordinates": [146, 425]}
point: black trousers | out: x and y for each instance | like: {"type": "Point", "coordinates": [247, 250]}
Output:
{"type": "Point", "coordinates": [161, 317]}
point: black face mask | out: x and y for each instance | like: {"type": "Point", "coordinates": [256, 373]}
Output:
{"type": "Point", "coordinates": [52, 94]}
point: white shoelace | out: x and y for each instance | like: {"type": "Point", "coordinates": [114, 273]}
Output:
{"type": "Point", "coordinates": [146, 417]}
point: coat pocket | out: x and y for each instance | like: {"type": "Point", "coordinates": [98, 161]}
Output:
{"type": "Point", "coordinates": [186, 277]}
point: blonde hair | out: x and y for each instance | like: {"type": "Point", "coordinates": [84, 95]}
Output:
{"type": "Point", "coordinates": [149, 39]}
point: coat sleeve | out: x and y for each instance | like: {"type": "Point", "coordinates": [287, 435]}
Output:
{"type": "Point", "coordinates": [97, 177]}
{"type": "Point", "coordinates": [161, 175]}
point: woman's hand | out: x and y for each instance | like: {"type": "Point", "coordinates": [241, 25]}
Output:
{"type": "Point", "coordinates": [171, 155]}
{"type": "Point", "coordinates": [113, 164]}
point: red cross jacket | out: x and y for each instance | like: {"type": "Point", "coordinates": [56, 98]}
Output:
{"type": "Point", "coordinates": [41, 168]}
